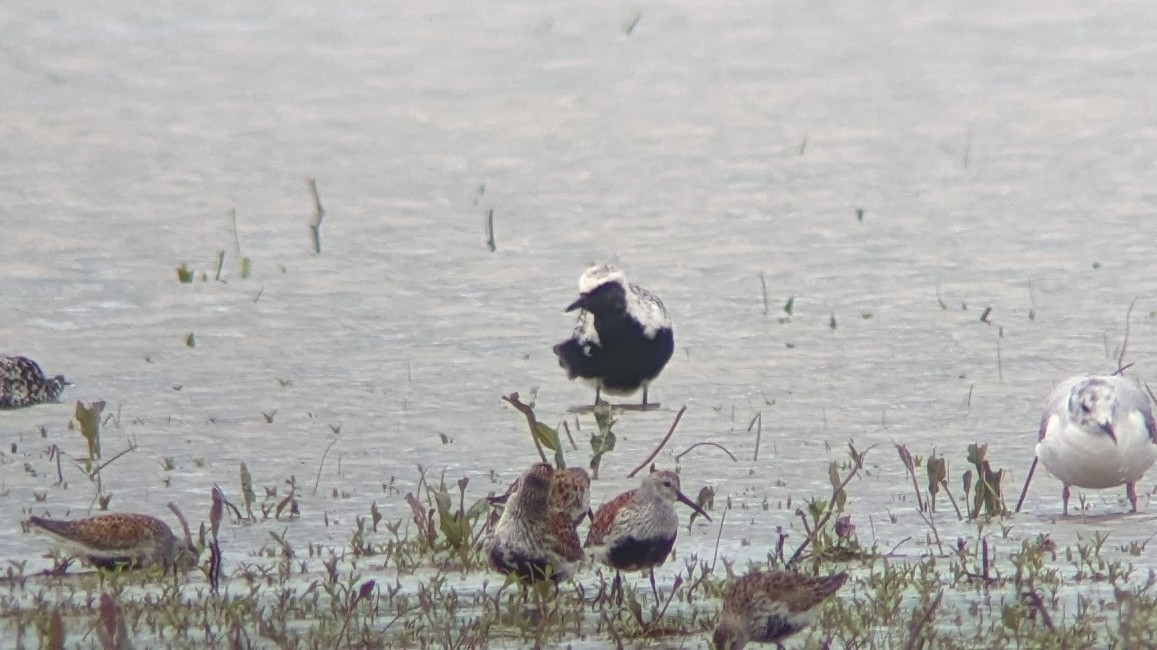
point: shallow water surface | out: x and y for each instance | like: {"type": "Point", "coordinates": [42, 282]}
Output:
{"type": "Point", "coordinates": [1002, 158]}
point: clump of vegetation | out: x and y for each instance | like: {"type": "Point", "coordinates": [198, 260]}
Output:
{"type": "Point", "coordinates": [422, 579]}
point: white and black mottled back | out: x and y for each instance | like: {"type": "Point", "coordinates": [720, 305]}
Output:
{"type": "Point", "coordinates": [23, 383]}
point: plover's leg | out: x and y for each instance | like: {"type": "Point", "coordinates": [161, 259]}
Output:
{"type": "Point", "coordinates": [1065, 500]}
{"type": "Point", "coordinates": [644, 395]}
{"type": "Point", "coordinates": [598, 391]}
{"type": "Point", "coordinates": [617, 588]}
{"type": "Point", "coordinates": [1131, 492]}
{"type": "Point", "coordinates": [654, 589]}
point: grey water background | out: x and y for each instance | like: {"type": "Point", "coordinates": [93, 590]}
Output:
{"type": "Point", "coordinates": [1003, 157]}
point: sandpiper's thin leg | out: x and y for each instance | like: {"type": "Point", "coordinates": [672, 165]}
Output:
{"type": "Point", "coordinates": [1065, 500]}
{"type": "Point", "coordinates": [644, 395]}
{"type": "Point", "coordinates": [1131, 492]}
{"type": "Point", "coordinates": [598, 391]}
{"type": "Point", "coordinates": [617, 588]}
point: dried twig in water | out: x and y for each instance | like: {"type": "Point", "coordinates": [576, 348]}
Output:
{"type": "Point", "coordinates": [678, 416]}
{"type": "Point", "coordinates": [184, 523]}
{"type": "Point", "coordinates": [1027, 479]}
{"type": "Point", "coordinates": [1121, 367]}
{"type": "Point", "coordinates": [566, 427]}
{"type": "Point", "coordinates": [757, 420]}
{"type": "Point", "coordinates": [320, 465]}
{"type": "Point", "coordinates": [318, 215]}
{"type": "Point", "coordinates": [513, 400]}
{"type": "Point", "coordinates": [708, 444]}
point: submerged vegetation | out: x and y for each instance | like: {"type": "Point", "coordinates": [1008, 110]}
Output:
{"type": "Point", "coordinates": [422, 579]}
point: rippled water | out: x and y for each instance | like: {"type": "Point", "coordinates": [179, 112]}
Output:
{"type": "Point", "coordinates": [1002, 157]}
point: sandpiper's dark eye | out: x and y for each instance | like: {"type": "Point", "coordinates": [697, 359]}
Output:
{"type": "Point", "coordinates": [1084, 407]}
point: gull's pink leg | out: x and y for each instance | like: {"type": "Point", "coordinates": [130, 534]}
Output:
{"type": "Point", "coordinates": [1131, 492]}
{"type": "Point", "coordinates": [1065, 499]}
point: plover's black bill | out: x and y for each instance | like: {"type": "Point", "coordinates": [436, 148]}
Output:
{"type": "Point", "coordinates": [581, 303]}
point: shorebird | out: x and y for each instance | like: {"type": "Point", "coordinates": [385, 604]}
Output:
{"type": "Point", "coordinates": [570, 494]}
{"type": "Point", "coordinates": [623, 338]}
{"type": "Point", "coordinates": [529, 537]}
{"type": "Point", "coordinates": [768, 607]}
{"type": "Point", "coordinates": [23, 383]}
{"type": "Point", "coordinates": [636, 530]}
{"type": "Point", "coordinates": [119, 540]}
{"type": "Point", "coordinates": [1097, 432]}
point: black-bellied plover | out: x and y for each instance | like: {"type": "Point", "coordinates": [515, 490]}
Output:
{"type": "Point", "coordinates": [23, 383]}
{"type": "Point", "coordinates": [623, 338]}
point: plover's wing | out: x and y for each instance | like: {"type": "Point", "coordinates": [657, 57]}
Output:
{"type": "Point", "coordinates": [646, 308]}
{"type": "Point", "coordinates": [585, 332]}
{"type": "Point", "coordinates": [605, 518]}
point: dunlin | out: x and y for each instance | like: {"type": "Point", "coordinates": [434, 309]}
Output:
{"type": "Point", "coordinates": [623, 338]}
{"type": "Point", "coordinates": [1097, 432]}
{"type": "Point", "coordinates": [570, 494]}
{"type": "Point", "coordinates": [23, 383]}
{"type": "Point", "coordinates": [529, 537]}
{"type": "Point", "coordinates": [636, 530]}
{"type": "Point", "coordinates": [119, 540]}
{"type": "Point", "coordinates": [769, 606]}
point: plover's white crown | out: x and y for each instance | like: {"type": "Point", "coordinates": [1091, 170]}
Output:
{"type": "Point", "coordinates": [642, 305]}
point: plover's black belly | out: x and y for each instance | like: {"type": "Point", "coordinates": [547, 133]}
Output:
{"type": "Point", "coordinates": [630, 554]}
{"type": "Point", "coordinates": [623, 360]}
{"type": "Point", "coordinates": [524, 566]}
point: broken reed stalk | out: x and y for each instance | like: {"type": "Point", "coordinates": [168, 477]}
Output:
{"type": "Point", "coordinates": [757, 420]}
{"type": "Point", "coordinates": [1121, 367]}
{"type": "Point", "coordinates": [181, 518]}
{"type": "Point", "coordinates": [531, 421]}
{"type": "Point", "coordinates": [708, 444]}
{"type": "Point", "coordinates": [1027, 478]}
{"type": "Point", "coordinates": [318, 215]}
{"type": "Point", "coordinates": [663, 443]}
{"type": "Point", "coordinates": [236, 239]}
{"type": "Point", "coordinates": [320, 465]}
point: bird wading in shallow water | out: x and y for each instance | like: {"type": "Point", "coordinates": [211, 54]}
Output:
{"type": "Point", "coordinates": [769, 606]}
{"type": "Point", "coordinates": [1095, 433]}
{"type": "Point", "coordinates": [623, 338]}
{"type": "Point", "coordinates": [530, 540]}
{"type": "Point", "coordinates": [23, 383]}
{"type": "Point", "coordinates": [119, 540]}
{"type": "Point", "coordinates": [636, 530]}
